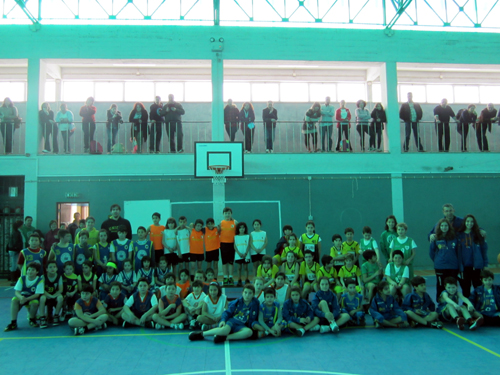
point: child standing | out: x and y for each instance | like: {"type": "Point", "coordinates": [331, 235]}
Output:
{"type": "Point", "coordinates": [349, 246]}
{"type": "Point", "coordinates": [212, 245]}
{"type": "Point", "coordinates": [196, 240]}
{"type": "Point", "coordinates": [291, 269]}
{"type": "Point", "coordinates": [120, 248]}
{"type": "Point", "coordinates": [32, 254]}
{"type": "Point", "coordinates": [227, 230]}
{"type": "Point", "coordinates": [311, 241]}
{"type": "Point", "coordinates": [486, 299]}
{"type": "Point", "coordinates": [258, 245]}
{"type": "Point", "coordinates": [93, 233]}
{"type": "Point", "coordinates": [170, 246]}
{"type": "Point", "coordinates": [237, 321]}
{"type": "Point", "coordinates": [28, 290]}
{"type": "Point", "coordinates": [372, 271]}
{"type": "Point", "coordinates": [270, 318]}
{"type": "Point", "coordinates": [242, 243]}
{"type": "Point", "coordinates": [367, 243]}
{"type": "Point", "coordinates": [141, 248]}
{"type": "Point", "coordinates": [169, 310]}
{"type": "Point", "coordinates": [282, 243]}
{"type": "Point", "coordinates": [155, 232]}
{"type": "Point", "coordinates": [70, 289]}
{"type": "Point", "coordinates": [89, 311]}
{"type": "Point", "coordinates": [52, 297]}
{"type": "Point", "coordinates": [292, 248]}
{"type": "Point", "coordinates": [397, 275]}
{"type": "Point", "coordinates": [183, 233]}
{"type": "Point", "coordinates": [192, 304]}
{"type": "Point", "coordinates": [82, 252]}
{"type": "Point", "coordinates": [102, 251]}
{"type": "Point", "coordinates": [406, 245]}
{"type": "Point", "coordinates": [388, 235]}
{"type": "Point", "coordinates": [336, 252]}
{"type": "Point", "coordinates": [63, 251]}
{"type": "Point", "coordinates": [419, 307]}
{"type": "Point", "coordinates": [214, 304]}
{"type": "Point", "coordinates": [351, 303]}
{"type": "Point", "coordinates": [126, 278]}
{"type": "Point", "coordinates": [351, 272]}
{"type": "Point", "coordinates": [106, 279]}
{"type": "Point", "coordinates": [139, 308]}
{"type": "Point", "coordinates": [308, 270]}
{"type": "Point", "coordinates": [114, 303]}
{"type": "Point", "coordinates": [329, 271]}
{"type": "Point", "coordinates": [298, 314]}
{"type": "Point", "coordinates": [385, 310]}
{"type": "Point", "coordinates": [326, 307]}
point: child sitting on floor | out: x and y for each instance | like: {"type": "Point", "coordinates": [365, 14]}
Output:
{"type": "Point", "coordinates": [326, 307]}
{"type": "Point", "coordinates": [419, 307]}
{"type": "Point", "coordinates": [298, 314]}
{"type": "Point", "coordinates": [89, 311]}
{"type": "Point", "coordinates": [139, 308]}
{"type": "Point", "coordinates": [351, 302]}
{"type": "Point", "coordinates": [192, 304]}
{"type": "Point", "coordinates": [170, 312]}
{"type": "Point", "coordinates": [486, 299]}
{"type": "Point", "coordinates": [270, 318]}
{"type": "Point", "coordinates": [114, 303]}
{"type": "Point", "coordinates": [385, 310]}
{"type": "Point", "coordinates": [214, 304]}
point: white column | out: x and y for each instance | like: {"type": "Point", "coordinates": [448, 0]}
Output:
{"type": "Point", "coordinates": [389, 81]}
{"type": "Point", "coordinates": [32, 106]}
{"type": "Point", "coordinates": [397, 196]}
{"type": "Point", "coordinates": [217, 98]}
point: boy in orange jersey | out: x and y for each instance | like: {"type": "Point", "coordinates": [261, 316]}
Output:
{"type": "Point", "coordinates": [227, 251]}
{"type": "Point", "coordinates": [196, 239]}
{"type": "Point", "coordinates": [155, 233]}
{"type": "Point", "coordinates": [212, 245]}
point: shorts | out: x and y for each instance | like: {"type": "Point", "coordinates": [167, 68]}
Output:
{"type": "Point", "coordinates": [32, 302]}
{"type": "Point", "coordinates": [227, 252]}
{"type": "Point", "coordinates": [236, 325]}
{"type": "Point", "coordinates": [242, 261]}
{"type": "Point", "coordinates": [172, 258]}
{"type": "Point", "coordinates": [195, 257]}
{"type": "Point", "coordinates": [138, 314]}
{"type": "Point", "coordinates": [51, 304]}
{"type": "Point", "coordinates": [257, 258]}
{"type": "Point", "coordinates": [185, 257]}
{"type": "Point", "coordinates": [212, 256]}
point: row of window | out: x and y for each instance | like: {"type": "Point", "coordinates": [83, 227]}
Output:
{"type": "Point", "coordinates": [201, 91]}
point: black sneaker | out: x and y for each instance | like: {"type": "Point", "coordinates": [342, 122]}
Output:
{"type": "Point", "coordinates": [126, 324]}
{"type": "Point", "coordinates": [247, 281]}
{"type": "Point", "coordinates": [55, 320]}
{"type": "Point", "coordinates": [219, 338]}
{"type": "Point", "coordinates": [33, 323]}
{"type": "Point", "coordinates": [196, 336]}
{"type": "Point", "coordinates": [10, 327]}
{"type": "Point", "coordinates": [43, 322]}
{"type": "Point", "coordinates": [240, 283]}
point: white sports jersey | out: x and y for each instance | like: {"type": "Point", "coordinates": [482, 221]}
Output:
{"type": "Point", "coordinates": [258, 239]}
{"type": "Point", "coordinates": [281, 294]}
{"type": "Point", "coordinates": [217, 308]}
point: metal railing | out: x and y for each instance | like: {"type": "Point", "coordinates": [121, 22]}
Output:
{"type": "Point", "coordinates": [12, 139]}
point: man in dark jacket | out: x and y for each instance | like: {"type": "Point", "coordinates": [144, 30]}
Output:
{"type": "Point", "coordinates": [442, 115]}
{"type": "Point", "coordinates": [156, 123]}
{"type": "Point", "coordinates": [173, 111]}
{"type": "Point", "coordinates": [269, 116]}
{"type": "Point", "coordinates": [113, 223]}
{"type": "Point", "coordinates": [411, 113]}
{"type": "Point", "coordinates": [231, 115]}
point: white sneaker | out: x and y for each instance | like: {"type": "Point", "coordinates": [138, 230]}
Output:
{"type": "Point", "coordinates": [324, 329]}
{"type": "Point", "coordinates": [267, 151]}
{"type": "Point", "coordinates": [79, 331]}
{"type": "Point", "coordinates": [316, 328]}
{"type": "Point", "coordinates": [271, 151]}
{"type": "Point", "coordinates": [178, 326]}
{"type": "Point", "coordinates": [206, 327]}
{"type": "Point", "coordinates": [335, 328]}
{"type": "Point", "coordinates": [159, 326]}
{"type": "Point", "coordinates": [46, 151]}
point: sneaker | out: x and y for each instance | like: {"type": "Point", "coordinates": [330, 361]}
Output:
{"type": "Point", "coordinates": [159, 326]}
{"type": "Point", "coordinates": [413, 324]}
{"type": "Point", "coordinates": [33, 323]}
{"type": "Point", "coordinates": [377, 325]}
{"type": "Point", "coordinates": [79, 331]}
{"type": "Point", "coordinates": [267, 151]}
{"type": "Point", "coordinates": [240, 283]}
{"type": "Point", "coordinates": [55, 320]}
{"type": "Point", "coordinates": [43, 322]}
{"type": "Point", "coordinates": [104, 326]}
{"type": "Point", "coordinates": [196, 336]}
{"type": "Point", "coordinates": [262, 334]}
{"type": "Point", "coordinates": [460, 323]}
{"type": "Point", "coordinates": [476, 324]}
{"type": "Point", "coordinates": [181, 151]}
{"type": "Point", "coordinates": [231, 281]}
{"type": "Point", "coordinates": [324, 329]}
{"type": "Point", "coordinates": [206, 327]}
{"type": "Point", "coordinates": [436, 325]}
{"type": "Point", "coordinates": [247, 152]}
{"type": "Point", "coordinates": [271, 151]}
{"type": "Point", "coordinates": [192, 324]}
{"type": "Point", "coordinates": [316, 328]}
{"type": "Point", "coordinates": [335, 328]}
{"type": "Point", "coordinates": [300, 332]}
{"type": "Point", "coordinates": [180, 326]}
{"type": "Point", "coordinates": [219, 338]}
{"type": "Point", "coordinates": [225, 281]}
{"type": "Point", "coordinates": [126, 324]}
{"type": "Point", "coordinates": [10, 327]}
{"type": "Point", "coordinates": [150, 324]}
{"type": "Point", "coordinates": [45, 151]}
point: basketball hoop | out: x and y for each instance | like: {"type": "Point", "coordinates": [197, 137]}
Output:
{"type": "Point", "coordinates": [218, 170]}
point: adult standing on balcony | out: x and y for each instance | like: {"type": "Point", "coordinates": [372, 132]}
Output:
{"type": "Point", "coordinates": [411, 113]}
{"type": "Point", "coordinates": [49, 127]}
{"type": "Point", "coordinates": [309, 129]}
{"type": "Point", "coordinates": [343, 117]}
{"type": "Point", "coordinates": [488, 115]}
{"type": "Point", "coordinates": [88, 112]}
{"type": "Point", "coordinates": [467, 117]}
{"type": "Point", "coordinates": [8, 115]}
{"type": "Point", "coordinates": [376, 126]}
{"type": "Point", "coordinates": [363, 117]}
{"type": "Point", "coordinates": [64, 119]}
{"type": "Point", "coordinates": [231, 116]}
{"type": "Point", "coordinates": [139, 129]}
{"type": "Point", "coordinates": [442, 115]}
{"type": "Point", "coordinates": [173, 111]}
{"type": "Point", "coordinates": [247, 124]}
{"type": "Point", "coordinates": [326, 125]}
{"type": "Point", "coordinates": [156, 124]}
{"type": "Point", "coordinates": [269, 116]}
{"type": "Point", "coordinates": [114, 119]}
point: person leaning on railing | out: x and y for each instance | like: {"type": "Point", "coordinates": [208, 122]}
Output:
{"type": "Point", "coordinates": [376, 126]}
{"type": "Point", "coordinates": [231, 116]}
{"type": "Point", "coordinates": [49, 127]}
{"type": "Point", "coordinates": [64, 119]}
{"type": "Point", "coordinates": [247, 124]}
{"type": "Point", "coordinates": [114, 119]}
{"type": "Point", "coordinates": [442, 115]}
{"type": "Point", "coordinates": [488, 115]}
{"type": "Point", "coordinates": [87, 112]}
{"type": "Point", "coordinates": [8, 117]}
{"type": "Point", "coordinates": [156, 124]}
{"type": "Point", "coordinates": [411, 113]}
{"type": "Point", "coordinates": [309, 129]}
{"type": "Point", "coordinates": [467, 117]}
{"type": "Point", "coordinates": [139, 129]}
{"type": "Point", "coordinates": [363, 117]}
{"type": "Point", "coordinates": [343, 117]}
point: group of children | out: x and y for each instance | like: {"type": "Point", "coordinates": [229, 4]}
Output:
{"type": "Point", "coordinates": [129, 282]}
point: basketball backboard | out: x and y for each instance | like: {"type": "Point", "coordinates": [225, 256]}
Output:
{"type": "Point", "coordinates": [218, 153]}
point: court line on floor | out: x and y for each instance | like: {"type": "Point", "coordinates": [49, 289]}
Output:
{"type": "Point", "coordinates": [472, 342]}
{"type": "Point", "coordinates": [227, 354]}
{"type": "Point", "coordinates": [269, 371]}
{"type": "Point", "coordinates": [95, 336]}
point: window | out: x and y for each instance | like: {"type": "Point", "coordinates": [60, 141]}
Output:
{"type": "Point", "coordinates": [198, 91]}
{"type": "Point", "coordinates": [489, 94]}
{"type": "Point", "coordinates": [418, 91]}
{"type": "Point", "coordinates": [50, 91]}
{"type": "Point", "coordinates": [238, 91]}
{"type": "Point", "coordinates": [16, 91]}
{"type": "Point", "coordinates": [77, 91]}
{"type": "Point", "coordinates": [376, 93]}
{"type": "Point", "coordinates": [351, 92]}
{"type": "Point", "coordinates": [263, 92]}
{"type": "Point", "coordinates": [109, 91]}
{"type": "Point", "coordinates": [319, 91]}
{"type": "Point", "coordinates": [436, 93]}
{"type": "Point", "coordinates": [294, 92]}
{"type": "Point", "coordinates": [139, 91]}
{"type": "Point", "coordinates": [164, 89]}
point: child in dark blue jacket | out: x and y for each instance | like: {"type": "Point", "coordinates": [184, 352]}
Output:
{"type": "Point", "coordinates": [326, 307]}
{"type": "Point", "coordinates": [298, 314]}
{"type": "Point", "coordinates": [385, 310]}
{"type": "Point", "coordinates": [419, 307]}
{"type": "Point", "coordinates": [237, 321]}
{"type": "Point", "coordinates": [486, 299]}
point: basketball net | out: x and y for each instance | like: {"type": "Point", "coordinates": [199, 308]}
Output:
{"type": "Point", "coordinates": [218, 178]}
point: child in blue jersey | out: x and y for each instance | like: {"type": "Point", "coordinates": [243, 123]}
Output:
{"type": "Point", "coordinates": [114, 303]}
{"type": "Point", "coordinates": [141, 248]}
{"type": "Point", "coordinates": [298, 314]}
{"type": "Point", "coordinates": [28, 290]}
{"type": "Point", "coordinates": [89, 311]}
{"type": "Point", "coordinates": [102, 252]}
{"type": "Point", "coordinates": [33, 253]}
{"type": "Point", "coordinates": [237, 321]}
{"type": "Point", "coordinates": [82, 252]}
{"type": "Point", "coordinates": [161, 272]}
{"type": "Point", "coordinates": [88, 276]}
{"type": "Point", "coordinates": [449, 309]}
{"type": "Point", "coordinates": [385, 310]}
{"type": "Point", "coordinates": [419, 307]}
{"type": "Point", "coordinates": [147, 272]}
{"type": "Point", "coordinates": [139, 308]}
{"type": "Point", "coordinates": [170, 313]}
{"type": "Point", "coordinates": [121, 248]}
{"type": "Point", "coordinates": [170, 279]}
{"type": "Point", "coordinates": [486, 300]}
{"type": "Point", "coordinates": [52, 297]}
{"type": "Point", "coordinates": [327, 309]}
{"type": "Point", "coordinates": [351, 302]}
{"type": "Point", "coordinates": [63, 251]}
{"type": "Point", "coordinates": [270, 317]}
{"type": "Point", "coordinates": [106, 279]}
{"type": "Point", "coordinates": [70, 289]}
{"type": "Point", "coordinates": [127, 278]}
